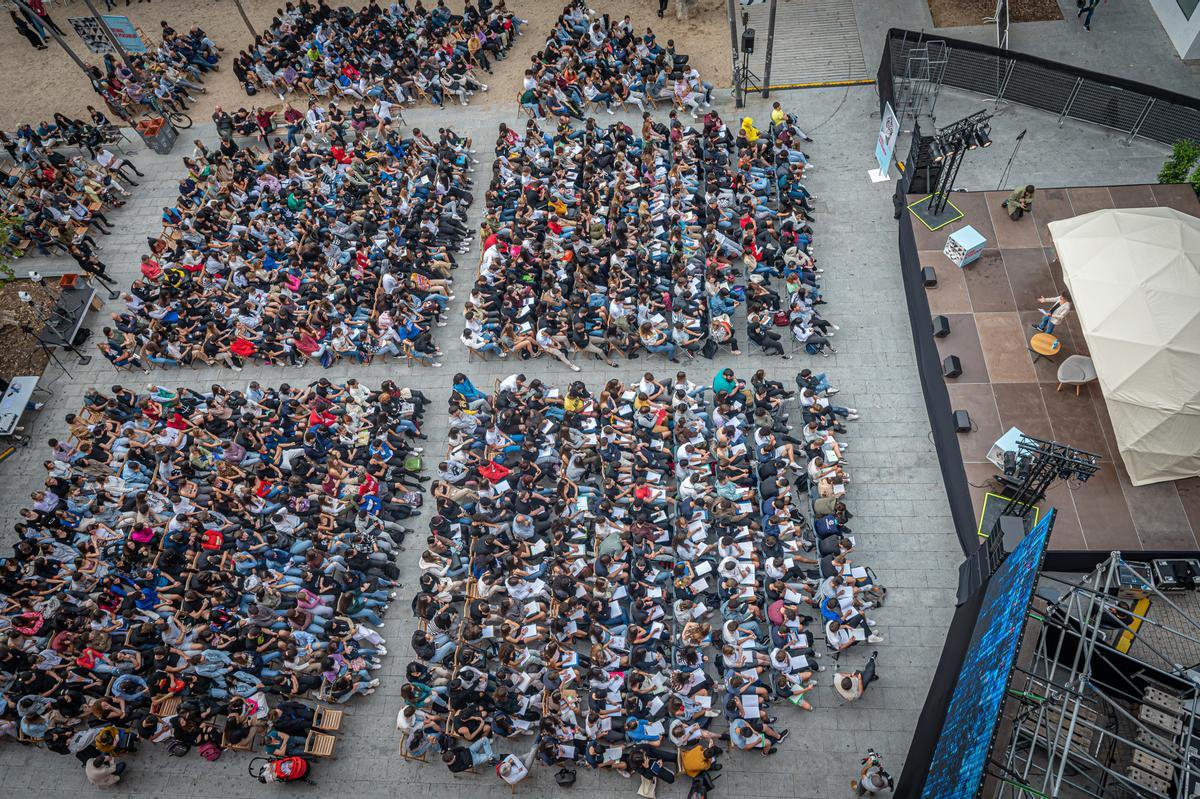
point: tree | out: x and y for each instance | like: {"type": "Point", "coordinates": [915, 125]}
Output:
{"type": "Point", "coordinates": [8, 223]}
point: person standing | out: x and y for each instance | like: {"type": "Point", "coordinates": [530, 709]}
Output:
{"type": "Point", "coordinates": [90, 263]}
{"type": "Point", "coordinates": [27, 30]}
{"type": "Point", "coordinates": [39, 8]}
{"type": "Point", "coordinates": [1088, 7]}
{"type": "Point", "coordinates": [872, 779]}
{"type": "Point", "coordinates": [662, 8]}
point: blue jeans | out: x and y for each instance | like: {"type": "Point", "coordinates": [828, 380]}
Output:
{"type": "Point", "coordinates": [668, 348]}
{"type": "Point", "coordinates": [481, 751]}
{"type": "Point", "coordinates": [1046, 326]}
{"type": "Point", "coordinates": [367, 613]}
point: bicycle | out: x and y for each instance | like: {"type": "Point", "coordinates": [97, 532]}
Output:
{"type": "Point", "coordinates": [177, 118]}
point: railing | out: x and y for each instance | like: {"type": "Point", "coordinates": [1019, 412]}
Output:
{"type": "Point", "coordinates": [1135, 109]}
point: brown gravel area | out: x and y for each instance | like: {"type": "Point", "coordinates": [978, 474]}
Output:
{"type": "Point", "coordinates": [19, 353]}
{"type": "Point", "coordinates": [959, 13]}
{"type": "Point", "coordinates": [36, 83]}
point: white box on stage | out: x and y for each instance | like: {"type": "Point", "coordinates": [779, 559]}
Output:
{"type": "Point", "coordinates": [964, 246]}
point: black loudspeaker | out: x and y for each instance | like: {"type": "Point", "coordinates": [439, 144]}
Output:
{"type": "Point", "coordinates": [962, 421]}
{"type": "Point", "coordinates": [952, 366]}
{"type": "Point", "coordinates": [1010, 530]}
{"type": "Point", "coordinates": [941, 326]}
{"type": "Point", "coordinates": [928, 277]}
{"type": "Point", "coordinates": [748, 40]}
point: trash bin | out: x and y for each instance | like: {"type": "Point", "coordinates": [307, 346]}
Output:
{"type": "Point", "coordinates": [158, 134]}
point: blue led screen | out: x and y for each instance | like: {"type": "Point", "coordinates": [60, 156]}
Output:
{"type": "Point", "coordinates": [957, 768]}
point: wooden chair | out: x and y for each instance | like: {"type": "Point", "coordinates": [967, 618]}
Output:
{"type": "Point", "coordinates": [319, 744]}
{"type": "Point", "coordinates": [404, 753]}
{"type": "Point", "coordinates": [165, 706]}
{"type": "Point", "coordinates": [327, 719]}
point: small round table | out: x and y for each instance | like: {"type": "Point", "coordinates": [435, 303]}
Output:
{"type": "Point", "coordinates": [1043, 345]}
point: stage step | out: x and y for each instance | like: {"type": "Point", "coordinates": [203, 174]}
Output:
{"type": "Point", "coordinates": [1164, 701]}
{"type": "Point", "coordinates": [1164, 721]}
{"type": "Point", "coordinates": [1152, 740]}
{"type": "Point", "coordinates": [816, 41]}
{"type": "Point", "coordinates": [1152, 765]}
{"type": "Point", "coordinates": [1148, 781]}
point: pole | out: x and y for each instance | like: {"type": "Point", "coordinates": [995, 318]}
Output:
{"type": "Point", "coordinates": [245, 18]}
{"type": "Point", "coordinates": [733, 42]}
{"type": "Point", "coordinates": [766, 81]}
{"type": "Point", "coordinates": [1011, 158]}
{"type": "Point", "coordinates": [112, 37]}
{"type": "Point", "coordinates": [30, 13]}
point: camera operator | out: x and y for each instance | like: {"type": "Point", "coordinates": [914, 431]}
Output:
{"type": "Point", "coordinates": [872, 780]}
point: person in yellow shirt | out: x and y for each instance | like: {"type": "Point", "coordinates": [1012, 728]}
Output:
{"type": "Point", "coordinates": [699, 759]}
{"type": "Point", "coordinates": [749, 131]}
{"type": "Point", "coordinates": [779, 117]}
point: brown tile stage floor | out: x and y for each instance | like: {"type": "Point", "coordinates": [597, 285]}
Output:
{"type": "Point", "coordinates": [991, 305]}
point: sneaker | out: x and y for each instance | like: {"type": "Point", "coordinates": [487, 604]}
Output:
{"type": "Point", "coordinates": [829, 392]}
{"type": "Point", "coordinates": [574, 368]}
{"type": "Point", "coordinates": [783, 736]}
{"type": "Point", "coordinates": [853, 411]}
{"type": "Point", "coordinates": [875, 638]}
{"type": "Point", "coordinates": [436, 364]}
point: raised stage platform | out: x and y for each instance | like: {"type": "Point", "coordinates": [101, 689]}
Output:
{"type": "Point", "coordinates": [991, 305]}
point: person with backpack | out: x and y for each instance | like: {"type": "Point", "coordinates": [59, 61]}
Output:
{"type": "Point", "coordinates": [104, 771]}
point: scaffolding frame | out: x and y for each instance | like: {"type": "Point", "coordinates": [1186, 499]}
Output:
{"type": "Point", "coordinates": [1065, 726]}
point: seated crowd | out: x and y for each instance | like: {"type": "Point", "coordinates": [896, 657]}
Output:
{"type": "Point", "coordinates": [199, 562]}
{"type": "Point", "coordinates": [624, 576]}
{"type": "Point", "coordinates": [57, 200]}
{"type": "Point", "coordinates": [592, 61]}
{"type": "Point", "coordinates": [397, 55]}
{"type": "Point", "coordinates": [598, 240]}
{"type": "Point", "coordinates": [310, 252]}
{"type": "Point", "coordinates": [168, 76]}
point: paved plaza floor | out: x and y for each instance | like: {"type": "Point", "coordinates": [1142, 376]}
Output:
{"type": "Point", "coordinates": [903, 525]}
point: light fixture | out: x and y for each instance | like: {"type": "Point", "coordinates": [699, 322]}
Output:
{"type": "Point", "coordinates": [25, 297]}
{"type": "Point", "coordinates": [36, 276]}
{"type": "Point", "coordinates": [983, 134]}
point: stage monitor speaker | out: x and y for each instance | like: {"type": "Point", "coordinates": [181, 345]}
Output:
{"type": "Point", "coordinates": [928, 277]}
{"type": "Point", "coordinates": [962, 422]}
{"type": "Point", "coordinates": [941, 326]}
{"type": "Point", "coordinates": [1010, 530]}
{"type": "Point", "coordinates": [748, 40]}
{"type": "Point", "coordinates": [951, 366]}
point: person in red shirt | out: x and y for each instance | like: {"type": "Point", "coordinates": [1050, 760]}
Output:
{"type": "Point", "coordinates": [150, 268]}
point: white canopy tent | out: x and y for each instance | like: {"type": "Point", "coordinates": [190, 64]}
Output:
{"type": "Point", "coordinates": [1134, 278]}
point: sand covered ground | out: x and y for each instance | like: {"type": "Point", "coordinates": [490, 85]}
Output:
{"type": "Point", "coordinates": [36, 83]}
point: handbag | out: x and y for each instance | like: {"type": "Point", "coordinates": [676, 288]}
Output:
{"type": "Point", "coordinates": [209, 751]}
{"type": "Point", "coordinates": [647, 788]}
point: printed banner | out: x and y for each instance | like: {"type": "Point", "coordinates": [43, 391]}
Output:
{"type": "Point", "coordinates": [889, 131]}
{"type": "Point", "coordinates": [92, 34]}
{"type": "Point", "coordinates": [126, 33]}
